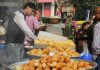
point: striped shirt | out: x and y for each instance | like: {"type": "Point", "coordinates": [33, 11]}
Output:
{"type": "Point", "coordinates": [96, 38]}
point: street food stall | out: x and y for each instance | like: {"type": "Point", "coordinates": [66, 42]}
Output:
{"type": "Point", "coordinates": [59, 53]}
{"type": "Point", "coordinates": [52, 51]}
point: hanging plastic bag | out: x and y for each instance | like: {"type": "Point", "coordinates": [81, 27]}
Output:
{"type": "Point", "coordinates": [86, 54]}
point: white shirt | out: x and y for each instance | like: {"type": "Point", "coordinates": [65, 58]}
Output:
{"type": "Point", "coordinates": [96, 38]}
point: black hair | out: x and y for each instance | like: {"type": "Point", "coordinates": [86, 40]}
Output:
{"type": "Point", "coordinates": [29, 4]}
{"type": "Point", "coordinates": [85, 23]}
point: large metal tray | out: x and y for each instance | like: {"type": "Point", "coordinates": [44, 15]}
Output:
{"type": "Point", "coordinates": [33, 56]}
{"type": "Point", "coordinates": [94, 64]}
{"type": "Point", "coordinates": [36, 46]}
{"type": "Point", "coordinates": [40, 46]}
{"type": "Point", "coordinates": [13, 66]}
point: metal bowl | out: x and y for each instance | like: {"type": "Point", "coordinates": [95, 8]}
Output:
{"type": "Point", "coordinates": [40, 46]}
{"type": "Point", "coordinates": [94, 64]}
{"type": "Point", "coordinates": [36, 46]}
{"type": "Point", "coordinates": [33, 56]}
{"type": "Point", "coordinates": [13, 66]}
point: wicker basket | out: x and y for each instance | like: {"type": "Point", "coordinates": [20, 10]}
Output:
{"type": "Point", "coordinates": [54, 20]}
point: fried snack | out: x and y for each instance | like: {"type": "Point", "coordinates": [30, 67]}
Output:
{"type": "Point", "coordinates": [54, 68]}
{"type": "Point", "coordinates": [64, 44]}
{"type": "Point", "coordinates": [64, 47]}
{"type": "Point", "coordinates": [60, 63]}
{"type": "Point", "coordinates": [35, 52]}
{"type": "Point", "coordinates": [56, 50]}
{"type": "Point", "coordinates": [81, 64]}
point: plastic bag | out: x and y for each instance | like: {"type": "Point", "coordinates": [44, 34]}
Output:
{"type": "Point", "coordinates": [86, 54]}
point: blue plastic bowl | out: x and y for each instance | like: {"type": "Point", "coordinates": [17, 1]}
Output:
{"type": "Point", "coordinates": [86, 56]}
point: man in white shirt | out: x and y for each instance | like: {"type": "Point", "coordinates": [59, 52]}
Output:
{"type": "Point", "coordinates": [96, 37]}
{"type": "Point", "coordinates": [16, 31]}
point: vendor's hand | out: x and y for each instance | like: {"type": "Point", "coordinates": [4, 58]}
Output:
{"type": "Point", "coordinates": [27, 45]}
{"type": "Point", "coordinates": [31, 43]}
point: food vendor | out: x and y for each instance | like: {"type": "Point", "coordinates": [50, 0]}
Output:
{"type": "Point", "coordinates": [16, 31]}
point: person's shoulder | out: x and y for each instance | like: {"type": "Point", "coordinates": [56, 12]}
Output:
{"type": "Point", "coordinates": [98, 24]}
{"type": "Point", "coordinates": [18, 13]}
{"type": "Point", "coordinates": [29, 16]}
